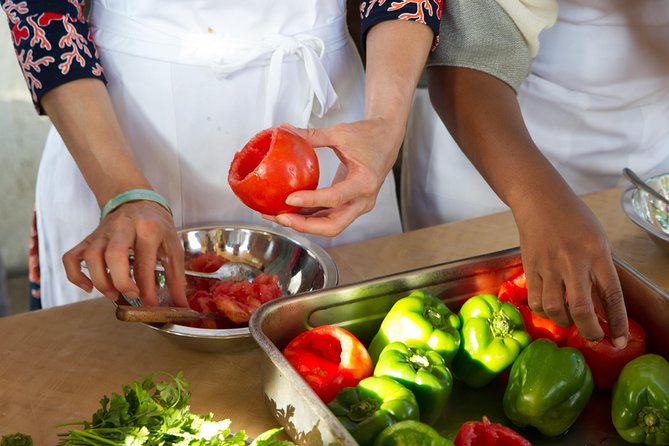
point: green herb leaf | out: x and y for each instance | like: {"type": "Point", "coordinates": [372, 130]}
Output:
{"type": "Point", "coordinates": [156, 414]}
{"type": "Point", "coordinates": [17, 439]}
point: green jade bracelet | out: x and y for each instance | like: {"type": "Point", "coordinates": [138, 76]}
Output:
{"type": "Point", "coordinates": [134, 195]}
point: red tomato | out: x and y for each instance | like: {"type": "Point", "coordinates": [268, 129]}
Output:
{"type": "Point", "coordinates": [485, 433]}
{"type": "Point", "coordinates": [605, 359]}
{"type": "Point", "coordinates": [542, 327]}
{"type": "Point", "coordinates": [514, 290]}
{"type": "Point", "coordinates": [272, 165]}
{"type": "Point", "coordinates": [329, 358]}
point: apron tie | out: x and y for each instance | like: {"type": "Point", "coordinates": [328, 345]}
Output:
{"type": "Point", "coordinates": [310, 50]}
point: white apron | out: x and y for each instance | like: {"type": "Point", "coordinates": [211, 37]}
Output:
{"type": "Point", "coordinates": [191, 83]}
{"type": "Point", "coordinates": [597, 100]}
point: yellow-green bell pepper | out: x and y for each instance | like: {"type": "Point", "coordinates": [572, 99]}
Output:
{"type": "Point", "coordinates": [374, 404]}
{"type": "Point", "coordinates": [419, 320]}
{"type": "Point", "coordinates": [493, 335]}
{"type": "Point", "coordinates": [424, 372]}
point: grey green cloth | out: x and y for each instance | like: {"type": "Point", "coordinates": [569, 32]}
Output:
{"type": "Point", "coordinates": [479, 34]}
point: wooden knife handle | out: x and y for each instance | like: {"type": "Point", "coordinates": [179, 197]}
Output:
{"type": "Point", "coordinates": [129, 313]}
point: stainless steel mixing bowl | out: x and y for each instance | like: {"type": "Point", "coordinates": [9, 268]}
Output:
{"type": "Point", "coordinates": [299, 264]}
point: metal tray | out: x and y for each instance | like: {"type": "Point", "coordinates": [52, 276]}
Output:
{"type": "Point", "coordinates": [361, 307]}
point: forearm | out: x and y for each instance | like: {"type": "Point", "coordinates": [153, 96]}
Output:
{"type": "Point", "coordinates": [396, 55]}
{"type": "Point", "coordinates": [484, 117]}
{"type": "Point", "coordinates": [82, 113]}
{"type": "Point", "coordinates": [563, 247]}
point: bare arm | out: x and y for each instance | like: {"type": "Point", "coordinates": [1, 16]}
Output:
{"type": "Point", "coordinates": [81, 110]}
{"type": "Point", "coordinates": [566, 255]}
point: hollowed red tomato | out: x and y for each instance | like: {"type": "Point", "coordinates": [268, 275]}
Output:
{"type": "Point", "coordinates": [329, 358]}
{"type": "Point", "coordinates": [273, 164]}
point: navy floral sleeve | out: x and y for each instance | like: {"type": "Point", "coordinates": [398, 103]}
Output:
{"type": "Point", "coordinates": [373, 12]}
{"type": "Point", "coordinates": [52, 43]}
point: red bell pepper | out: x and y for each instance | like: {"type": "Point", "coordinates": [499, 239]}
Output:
{"type": "Point", "coordinates": [605, 359]}
{"type": "Point", "coordinates": [329, 358]}
{"type": "Point", "coordinates": [486, 433]}
{"type": "Point", "coordinates": [515, 291]}
{"type": "Point", "coordinates": [543, 327]}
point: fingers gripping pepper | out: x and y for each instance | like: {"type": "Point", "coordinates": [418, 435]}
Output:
{"type": "Point", "coordinates": [419, 320]}
{"type": "Point", "coordinates": [374, 404]}
{"type": "Point", "coordinates": [515, 291]}
{"type": "Point", "coordinates": [492, 337]}
{"type": "Point", "coordinates": [424, 372]}
{"type": "Point", "coordinates": [548, 387]}
{"type": "Point", "coordinates": [640, 401]}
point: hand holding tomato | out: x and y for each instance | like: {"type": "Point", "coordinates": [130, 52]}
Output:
{"type": "Point", "coordinates": [329, 358]}
{"type": "Point", "coordinates": [367, 150]}
{"type": "Point", "coordinates": [272, 165]}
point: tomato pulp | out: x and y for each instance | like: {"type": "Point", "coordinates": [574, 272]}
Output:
{"type": "Point", "coordinates": [272, 165]}
{"type": "Point", "coordinates": [235, 301]}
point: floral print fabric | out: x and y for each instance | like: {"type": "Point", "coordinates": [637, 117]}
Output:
{"type": "Point", "coordinates": [52, 42]}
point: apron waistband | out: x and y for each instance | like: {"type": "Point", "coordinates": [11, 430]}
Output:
{"type": "Point", "coordinates": [227, 56]}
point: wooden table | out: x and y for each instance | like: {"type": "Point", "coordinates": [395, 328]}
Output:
{"type": "Point", "coordinates": [56, 364]}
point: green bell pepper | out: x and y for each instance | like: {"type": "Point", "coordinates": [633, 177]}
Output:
{"type": "Point", "coordinates": [493, 335]}
{"type": "Point", "coordinates": [548, 387]}
{"type": "Point", "coordinates": [374, 404]}
{"type": "Point", "coordinates": [411, 433]}
{"type": "Point", "coordinates": [424, 372]}
{"type": "Point", "coordinates": [419, 320]}
{"type": "Point", "coordinates": [640, 401]}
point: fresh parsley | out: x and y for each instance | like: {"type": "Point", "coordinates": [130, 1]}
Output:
{"type": "Point", "coordinates": [157, 414]}
{"type": "Point", "coordinates": [17, 439]}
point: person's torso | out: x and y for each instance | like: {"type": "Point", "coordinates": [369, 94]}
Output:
{"type": "Point", "coordinates": [228, 18]}
{"type": "Point", "coordinates": [616, 51]}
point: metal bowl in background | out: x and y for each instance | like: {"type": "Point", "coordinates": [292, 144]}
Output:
{"type": "Point", "coordinates": [651, 215]}
{"type": "Point", "coordinates": [299, 263]}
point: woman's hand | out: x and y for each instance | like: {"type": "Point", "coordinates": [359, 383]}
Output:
{"type": "Point", "coordinates": [144, 228]}
{"type": "Point", "coordinates": [367, 154]}
{"type": "Point", "coordinates": [366, 148]}
{"type": "Point", "coordinates": [568, 263]}
{"type": "Point", "coordinates": [82, 112]}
